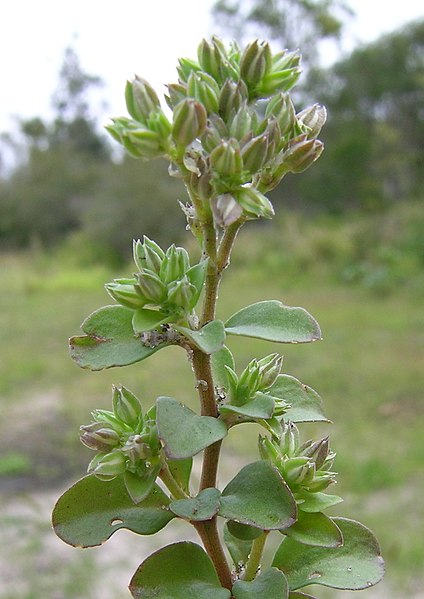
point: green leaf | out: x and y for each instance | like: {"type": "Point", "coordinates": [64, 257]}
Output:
{"type": "Point", "coordinates": [306, 404]}
{"type": "Point", "coordinates": [147, 320]}
{"type": "Point", "coordinates": [181, 471]}
{"type": "Point", "coordinates": [296, 595]}
{"type": "Point", "coordinates": [356, 565]}
{"type": "Point", "coordinates": [182, 431]}
{"type": "Point", "coordinates": [316, 502]}
{"type": "Point", "coordinates": [196, 275]}
{"type": "Point", "coordinates": [208, 339]}
{"type": "Point", "coordinates": [259, 408]}
{"type": "Point", "coordinates": [140, 487]}
{"type": "Point", "coordinates": [273, 321]}
{"type": "Point", "coordinates": [203, 507]}
{"type": "Point", "coordinates": [90, 512]}
{"type": "Point", "coordinates": [109, 340]}
{"type": "Point", "coordinates": [243, 531]}
{"type": "Point", "coordinates": [315, 529]}
{"type": "Point", "coordinates": [258, 496]}
{"type": "Point", "coordinates": [239, 549]}
{"type": "Point", "coordinates": [177, 571]}
{"type": "Point", "coordinates": [219, 360]}
{"type": "Point", "coordinates": [271, 584]}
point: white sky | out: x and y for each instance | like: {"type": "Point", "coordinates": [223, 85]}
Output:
{"type": "Point", "coordinates": [117, 39]}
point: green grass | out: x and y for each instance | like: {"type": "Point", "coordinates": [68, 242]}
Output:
{"type": "Point", "coordinates": [368, 370]}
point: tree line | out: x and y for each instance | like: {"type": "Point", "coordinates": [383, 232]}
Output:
{"type": "Point", "coordinates": [68, 182]}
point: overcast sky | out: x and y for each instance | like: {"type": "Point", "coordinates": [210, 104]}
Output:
{"type": "Point", "coordinates": [117, 39]}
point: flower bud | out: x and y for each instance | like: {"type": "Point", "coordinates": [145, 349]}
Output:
{"type": "Point", "coordinates": [189, 121]}
{"type": "Point", "coordinates": [241, 123]}
{"type": "Point", "coordinates": [281, 108]}
{"type": "Point", "coordinates": [317, 451]}
{"type": "Point", "coordinates": [295, 469]}
{"type": "Point", "coordinates": [136, 448]}
{"type": "Point", "coordinates": [321, 481]}
{"type": "Point", "coordinates": [177, 92]}
{"type": "Point", "coordinates": [181, 294]}
{"type": "Point", "coordinates": [141, 99]}
{"type": "Point", "coordinates": [314, 118]}
{"type": "Point", "coordinates": [268, 450]}
{"type": "Point", "coordinates": [175, 264]}
{"type": "Point", "coordinates": [124, 292]}
{"type": "Point", "coordinates": [254, 153]}
{"type": "Point", "coordinates": [299, 156]}
{"type": "Point", "coordinates": [289, 439]}
{"type": "Point", "coordinates": [254, 202]}
{"type": "Point", "coordinates": [151, 287]}
{"type": "Point", "coordinates": [226, 159]}
{"type": "Point", "coordinates": [126, 407]}
{"type": "Point", "coordinates": [108, 418]}
{"type": "Point", "coordinates": [142, 143]}
{"type": "Point", "coordinates": [215, 132]}
{"type": "Point", "coordinates": [270, 368]}
{"type": "Point", "coordinates": [96, 436]}
{"type": "Point", "coordinates": [210, 59]}
{"type": "Point", "coordinates": [226, 210]}
{"type": "Point", "coordinates": [203, 88]}
{"type": "Point", "coordinates": [109, 465]}
{"type": "Point", "coordinates": [279, 81]}
{"type": "Point", "coordinates": [255, 63]}
{"type": "Point", "coordinates": [186, 66]}
{"type": "Point", "coordinates": [232, 97]}
{"type": "Point", "coordinates": [147, 255]}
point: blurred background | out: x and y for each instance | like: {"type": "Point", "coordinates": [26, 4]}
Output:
{"type": "Point", "coordinates": [347, 243]}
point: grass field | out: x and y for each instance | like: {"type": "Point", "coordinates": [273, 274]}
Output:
{"type": "Point", "coordinates": [368, 369]}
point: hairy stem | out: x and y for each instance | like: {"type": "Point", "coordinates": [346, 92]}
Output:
{"type": "Point", "coordinates": [254, 561]}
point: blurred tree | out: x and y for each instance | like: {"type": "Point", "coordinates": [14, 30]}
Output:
{"type": "Point", "coordinates": [375, 132]}
{"type": "Point", "coordinates": [291, 23]}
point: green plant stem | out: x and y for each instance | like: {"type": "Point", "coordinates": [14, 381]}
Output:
{"type": "Point", "coordinates": [170, 482]}
{"type": "Point", "coordinates": [254, 561]}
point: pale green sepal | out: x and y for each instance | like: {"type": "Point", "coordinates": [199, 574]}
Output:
{"type": "Point", "coordinates": [219, 360]}
{"type": "Point", "coordinates": [316, 502]}
{"type": "Point", "coordinates": [177, 571]}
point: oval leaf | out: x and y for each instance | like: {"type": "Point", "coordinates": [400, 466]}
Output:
{"type": "Point", "coordinates": [146, 320]}
{"type": "Point", "coordinates": [177, 571]}
{"type": "Point", "coordinates": [181, 471]}
{"type": "Point", "coordinates": [273, 321]}
{"type": "Point", "coordinates": [259, 408]}
{"type": "Point", "coordinates": [109, 340]}
{"type": "Point", "coordinates": [219, 360]}
{"type": "Point", "coordinates": [258, 496]}
{"type": "Point", "coordinates": [315, 529]}
{"type": "Point", "coordinates": [203, 507]}
{"type": "Point", "coordinates": [140, 487]}
{"type": "Point", "coordinates": [90, 512]}
{"type": "Point", "coordinates": [356, 565]}
{"type": "Point", "coordinates": [243, 531]}
{"type": "Point", "coordinates": [316, 502]}
{"type": "Point", "coordinates": [182, 431]}
{"type": "Point", "coordinates": [305, 403]}
{"type": "Point", "coordinates": [239, 549]}
{"type": "Point", "coordinates": [271, 584]}
{"type": "Point", "coordinates": [208, 339]}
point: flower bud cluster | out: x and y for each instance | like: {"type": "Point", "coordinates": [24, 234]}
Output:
{"type": "Point", "coordinates": [304, 467]}
{"type": "Point", "coordinates": [164, 280]}
{"type": "Point", "coordinates": [234, 132]}
{"type": "Point", "coordinates": [257, 377]}
{"type": "Point", "coordinates": [124, 439]}
{"type": "Point", "coordinates": [148, 133]}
